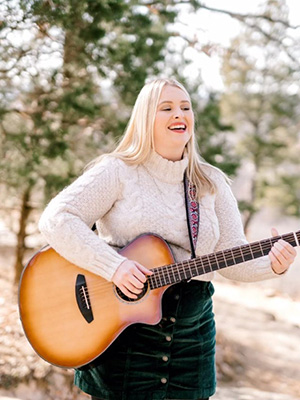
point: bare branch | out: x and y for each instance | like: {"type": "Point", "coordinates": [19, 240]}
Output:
{"type": "Point", "coordinates": [236, 15]}
{"type": "Point", "coordinates": [273, 39]}
{"type": "Point", "coordinates": [243, 17]}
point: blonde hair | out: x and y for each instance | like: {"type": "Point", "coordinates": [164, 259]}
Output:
{"type": "Point", "coordinates": [138, 140]}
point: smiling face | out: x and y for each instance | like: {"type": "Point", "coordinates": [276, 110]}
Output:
{"type": "Point", "coordinates": [174, 123]}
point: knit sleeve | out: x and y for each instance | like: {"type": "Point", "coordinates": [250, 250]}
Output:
{"type": "Point", "coordinates": [232, 234]}
{"type": "Point", "coordinates": [67, 220]}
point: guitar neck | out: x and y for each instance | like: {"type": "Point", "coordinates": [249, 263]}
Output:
{"type": "Point", "coordinates": [185, 270]}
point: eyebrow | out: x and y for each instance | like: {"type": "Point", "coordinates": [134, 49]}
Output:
{"type": "Point", "coordinates": [170, 101]}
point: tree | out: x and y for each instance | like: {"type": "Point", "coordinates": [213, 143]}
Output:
{"type": "Point", "coordinates": [53, 122]}
{"type": "Point", "coordinates": [262, 97]}
{"type": "Point", "coordinates": [69, 73]}
{"type": "Point", "coordinates": [213, 132]}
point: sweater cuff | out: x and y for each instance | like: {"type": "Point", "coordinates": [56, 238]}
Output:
{"type": "Point", "coordinates": [106, 267]}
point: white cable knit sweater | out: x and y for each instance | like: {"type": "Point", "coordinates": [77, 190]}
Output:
{"type": "Point", "coordinates": [127, 201]}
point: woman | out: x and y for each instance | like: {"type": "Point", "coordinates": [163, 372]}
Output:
{"type": "Point", "coordinates": [138, 188]}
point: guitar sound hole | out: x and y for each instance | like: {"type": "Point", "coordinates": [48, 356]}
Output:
{"type": "Point", "coordinates": [128, 299]}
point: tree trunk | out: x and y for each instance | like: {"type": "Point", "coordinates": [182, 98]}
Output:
{"type": "Point", "coordinates": [252, 209]}
{"type": "Point", "coordinates": [247, 221]}
{"type": "Point", "coordinates": [21, 235]}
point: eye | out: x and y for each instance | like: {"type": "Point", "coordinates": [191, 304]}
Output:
{"type": "Point", "coordinates": [166, 109]}
{"type": "Point", "coordinates": [186, 108]}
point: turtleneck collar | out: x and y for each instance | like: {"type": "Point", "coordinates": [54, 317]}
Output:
{"type": "Point", "coordinates": [166, 170]}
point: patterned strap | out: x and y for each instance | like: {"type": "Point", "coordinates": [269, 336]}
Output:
{"type": "Point", "coordinates": [192, 214]}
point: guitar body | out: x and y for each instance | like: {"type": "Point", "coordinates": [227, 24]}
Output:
{"type": "Point", "coordinates": [70, 316]}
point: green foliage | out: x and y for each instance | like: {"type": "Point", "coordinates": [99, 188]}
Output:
{"type": "Point", "coordinates": [63, 111]}
{"type": "Point", "coordinates": [70, 72]}
{"type": "Point", "coordinates": [213, 137]}
{"type": "Point", "coordinates": [259, 102]}
{"type": "Point", "coordinates": [247, 206]}
{"type": "Point", "coordinates": [290, 202]}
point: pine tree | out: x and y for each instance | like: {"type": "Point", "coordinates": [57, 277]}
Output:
{"type": "Point", "coordinates": [56, 114]}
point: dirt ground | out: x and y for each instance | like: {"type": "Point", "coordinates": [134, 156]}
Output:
{"type": "Point", "coordinates": [258, 346]}
{"type": "Point", "coordinates": [258, 342]}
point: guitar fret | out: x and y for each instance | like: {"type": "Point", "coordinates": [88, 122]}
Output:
{"type": "Point", "coordinates": [213, 261]}
{"type": "Point", "coordinates": [221, 259]}
{"type": "Point", "coordinates": [268, 243]}
{"type": "Point", "coordinates": [169, 278]}
{"type": "Point", "coordinates": [202, 265]}
{"type": "Point", "coordinates": [196, 272]}
{"type": "Point", "coordinates": [190, 270]}
{"type": "Point", "coordinates": [174, 277]}
{"type": "Point", "coordinates": [291, 238]}
{"type": "Point", "coordinates": [224, 255]}
{"type": "Point", "coordinates": [176, 272]}
{"type": "Point", "coordinates": [163, 277]}
{"type": "Point", "coordinates": [251, 252]}
{"type": "Point", "coordinates": [297, 234]}
{"type": "Point", "coordinates": [237, 255]}
{"type": "Point", "coordinates": [228, 257]}
{"type": "Point", "coordinates": [257, 250]}
{"type": "Point", "coordinates": [206, 266]}
{"type": "Point", "coordinates": [199, 266]}
{"type": "Point", "coordinates": [151, 281]}
{"type": "Point", "coordinates": [186, 269]}
{"type": "Point", "coordinates": [241, 253]}
{"type": "Point", "coordinates": [261, 249]}
{"type": "Point", "coordinates": [209, 263]}
{"type": "Point", "coordinates": [157, 280]}
{"type": "Point", "coordinates": [182, 273]}
{"type": "Point", "coordinates": [246, 252]}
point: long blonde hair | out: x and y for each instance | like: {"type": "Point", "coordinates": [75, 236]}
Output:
{"type": "Point", "coordinates": [138, 140]}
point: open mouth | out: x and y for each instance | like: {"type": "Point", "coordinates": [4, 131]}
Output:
{"type": "Point", "coordinates": [178, 127]}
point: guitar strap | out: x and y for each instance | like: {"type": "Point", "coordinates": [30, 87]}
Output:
{"type": "Point", "coordinates": [192, 213]}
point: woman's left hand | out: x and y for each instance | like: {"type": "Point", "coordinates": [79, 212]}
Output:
{"type": "Point", "coordinates": [282, 254]}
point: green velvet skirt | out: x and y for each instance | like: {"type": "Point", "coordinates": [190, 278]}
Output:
{"type": "Point", "coordinates": [174, 359]}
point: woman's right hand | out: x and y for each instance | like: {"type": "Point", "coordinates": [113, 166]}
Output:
{"type": "Point", "coordinates": [130, 278]}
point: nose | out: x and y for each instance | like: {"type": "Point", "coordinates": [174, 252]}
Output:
{"type": "Point", "coordinates": [178, 113]}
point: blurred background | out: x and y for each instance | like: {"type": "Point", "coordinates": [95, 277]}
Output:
{"type": "Point", "coordinates": [70, 71]}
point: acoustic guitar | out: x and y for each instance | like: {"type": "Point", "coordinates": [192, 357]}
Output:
{"type": "Point", "coordinates": [71, 316]}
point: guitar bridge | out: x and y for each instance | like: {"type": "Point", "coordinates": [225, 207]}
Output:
{"type": "Point", "coordinates": [83, 298]}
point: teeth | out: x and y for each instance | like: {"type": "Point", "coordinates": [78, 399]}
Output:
{"type": "Point", "coordinates": [178, 127]}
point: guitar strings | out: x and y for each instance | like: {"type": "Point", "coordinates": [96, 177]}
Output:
{"type": "Point", "coordinates": [177, 272]}
{"type": "Point", "coordinates": [209, 263]}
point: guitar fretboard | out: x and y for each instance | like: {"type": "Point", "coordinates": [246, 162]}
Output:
{"type": "Point", "coordinates": [185, 270]}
